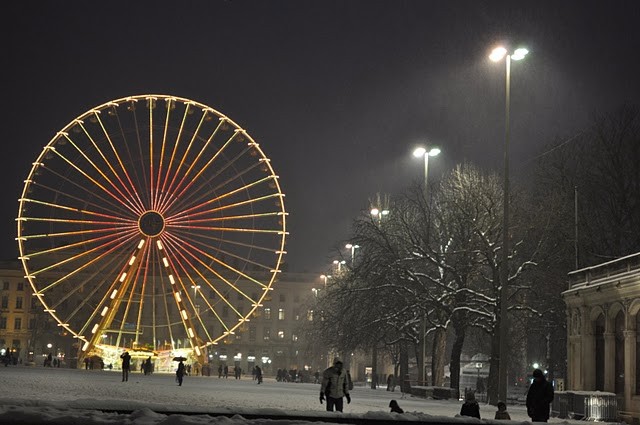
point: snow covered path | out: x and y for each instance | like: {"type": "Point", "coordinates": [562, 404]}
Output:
{"type": "Point", "coordinates": [47, 388]}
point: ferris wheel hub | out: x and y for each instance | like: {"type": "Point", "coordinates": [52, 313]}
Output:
{"type": "Point", "coordinates": [151, 223]}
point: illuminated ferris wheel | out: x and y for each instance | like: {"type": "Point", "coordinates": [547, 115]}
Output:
{"type": "Point", "coordinates": [151, 221]}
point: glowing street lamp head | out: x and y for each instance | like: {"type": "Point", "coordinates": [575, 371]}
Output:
{"type": "Point", "coordinates": [348, 246]}
{"type": "Point", "coordinates": [375, 211]}
{"type": "Point", "coordinates": [498, 54]}
{"type": "Point", "coordinates": [519, 54]}
{"type": "Point", "coordinates": [419, 152]}
{"type": "Point", "coordinates": [336, 261]}
{"type": "Point", "coordinates": [434, 152]}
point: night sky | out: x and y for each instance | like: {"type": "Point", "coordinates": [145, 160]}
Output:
{"type": "Point", "coordinates": [338, 93]}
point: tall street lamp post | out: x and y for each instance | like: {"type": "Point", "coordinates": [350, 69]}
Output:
{"type": "Point", "coordinates": [353, 248]}
{"type": "Point", "coordinates": [497, 55]}
{"type": "Point", "coordinates": [422, 152]}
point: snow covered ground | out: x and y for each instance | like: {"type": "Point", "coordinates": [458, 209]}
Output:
{"type": "Point", "coordinates": [33, 395]}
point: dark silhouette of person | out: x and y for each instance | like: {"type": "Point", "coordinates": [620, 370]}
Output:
{"type": "Point", "coordinates": [126, 365]}
{"type": "Point", "coordinates": [395, 408]}
{"type": "Point", "coordinates": [501, 413]}
{"type": "Point", "coordinates": [539, 397]}
{"type": "Point", "coordinates": [180, 372]}
{"type": "Point", "coordinates": [470, 406]}
{"type": "Point", "coordinates": [258, 374]}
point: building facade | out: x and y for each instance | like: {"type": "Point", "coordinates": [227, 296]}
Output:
{"type": "Point", "coordinates": [603, 312]}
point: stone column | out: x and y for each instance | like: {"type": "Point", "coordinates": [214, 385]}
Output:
{"type": "Point", "coordinates": [587, 352]}
{"type": "Point", "coordinates": [629, 367]}
{"type": "Point", "coordinates": [610, 362]}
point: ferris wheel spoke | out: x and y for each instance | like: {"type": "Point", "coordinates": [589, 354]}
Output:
{"type": "Point", "coordinates": [208, 282]}
{"type": "Point", "coordinates": [226, 241]}
{"type": "Point", "coordinates": [205, 193]}
{"type": "Point", "coordinates": [70, 233]}
{"type": "Point", "coordinates": [72, 209]}
{"type": "Point", "coordinates": [96, 183]}
{"type": "Point", "coordinates": [138, 183]}
{"type": "Point", "coordinates": [155, 188]}
{"type": "Point", "coordinates": [208, 164]}
{"type": "Point", "coordinates": [185, 273]}
{"type": "Point", "coordinates": [130, 188]}
{"type": "Point", "coordinates": [143, 286]}
{"type": "Point", "coordinates": [73, 245]}
{"type": "Point", "coordinates": [221, 121]}
{"type": "Point", "coordinates": [186, 244]}
{"type": "Point", "coordinates": [186, 221]}
{"type": "Point", "coordinates": [96, 168]}
{"type": "Point", "coordinates": [85, 201]}
{"type": "Point", "coordinates": [96, 276]}
{"type": "Point", "coordinates": [131, 236]}
{"type": "Point", "coordinates": [96, 114]}
{"type": "Point", "coordinates": [203, 205]}
{"type": "Point", "coordinates": [210, 248]}
{"type": "Point", "coordinates": [174, 150]}
{"type": "Point", "coordinates": [185, 317]}
{"type": "Point", "coordinates": [181, 164]}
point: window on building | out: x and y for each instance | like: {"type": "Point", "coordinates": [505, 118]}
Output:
{"type": "Point", "coordinates": [3, 322]}
{"type": "Point", "coordinates": [18, 302]}
{"type": "Point", "coordinates": [267, 313]}
{"type": "Point", "coordinates": [34, 303]}
{"type": "Point", "coordinates": [310, 315]}
{"type": "Point", "coordinates": [296, 314]}
{"type": "Point", "coordinates": [281, 314]}
{"type": "Point", "coordinates": [282, 298]}
{"type": "Point", "coordinates": [280, 334]}
{"type": "Point", "coordinates": [17, 323]}
{"type": "Point", "coordinates": [266, 335]}
{"type": "Point", "coordinates": [20, 286]}
{"type": "Point", "coordinates": [5, 286]}
{"type": "Point", "coordinates": [294, 337]}
{"type": "Point", "coordinates": [32, 324]}
{"type": "Point", "coordinates": [5, 301]}
{"type": "Point", "coordinates": [252, 333]}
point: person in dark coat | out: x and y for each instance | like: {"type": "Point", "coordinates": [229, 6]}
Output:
{"type": "Point", "coordinates": [258, 374]}
{"type": "Point", "coordinates": [219, 371]}
{"type": "Point", "coordinates": [126, 365]}
{"type": "Point", "coordinates": [395, 408]}
{"type": "Point", "coordinates": [180, 372]}
{"type": "Point", "coordinates": [225, 372]}
{"type": "Point", "coordinates": [470, 406]}
{"type": "Point", "coordinates": [539, 397]}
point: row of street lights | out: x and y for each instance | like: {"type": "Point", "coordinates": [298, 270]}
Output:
{"type": "Point", "coordinates": [498, 54]}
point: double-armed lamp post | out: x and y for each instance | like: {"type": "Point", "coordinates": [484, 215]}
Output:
{"type": "Point", "coordinates": [497, 55]}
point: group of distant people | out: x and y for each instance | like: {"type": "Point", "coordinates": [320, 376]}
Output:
{"type": "Point", "coordinates": [336, 385]}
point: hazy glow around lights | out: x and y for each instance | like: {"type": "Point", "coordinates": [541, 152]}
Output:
{"type": "Point", "coordinates": [419, 152]}
{"type": "Point", "coordinates": [498, 53]}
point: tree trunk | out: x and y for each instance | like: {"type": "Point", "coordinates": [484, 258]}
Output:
{"type": "Point", "coordinates": [456, 352]}
{"type": "Point", "coordinates": [404, 367]}
{"type": "Point", "coordinates": [492, 384]}
{"type": "Point", "coordinates": [438, 356]}
{"type": "Point", "coordinates": [374, 366]}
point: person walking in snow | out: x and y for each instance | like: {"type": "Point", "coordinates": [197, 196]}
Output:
{"type": "Point", "coordinates": [219, 371]}
{"type": "Point", "coordinates": [180, 372]}
{"type": "Point", "coordinates": [335, 386]}
{"type": "Point", "coordinates": [126, 365]}
{"type": "Point", "coordinates": [258, 374]}
{"type": "Point", "coordinates": [539, 397]}
{"type": "Point", "coordinates": [225, 372]}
